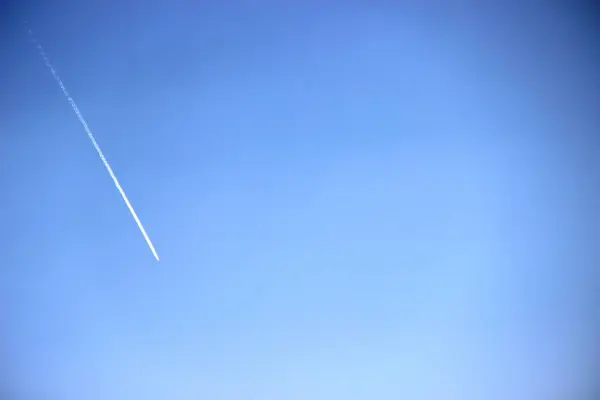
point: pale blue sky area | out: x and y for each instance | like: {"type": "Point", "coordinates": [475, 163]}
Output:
{"type": "Point", "coordinates": [349, 202]}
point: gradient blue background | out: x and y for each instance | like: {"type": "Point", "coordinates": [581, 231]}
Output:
{"type": "Point", "coordinates": [349, 202]}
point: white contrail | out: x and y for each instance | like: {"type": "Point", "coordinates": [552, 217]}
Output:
{"type": "Point", "coordinates": [89, 133]}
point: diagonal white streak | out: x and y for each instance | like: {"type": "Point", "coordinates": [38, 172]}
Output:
{"type": "Point", "coordinates": [93, 140]}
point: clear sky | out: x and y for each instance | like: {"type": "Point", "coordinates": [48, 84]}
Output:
{"type": "Point", "coordinates": [349, 202]}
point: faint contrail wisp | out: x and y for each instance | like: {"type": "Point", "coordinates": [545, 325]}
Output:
{"type": "Point", "coordinates": [91, 136]}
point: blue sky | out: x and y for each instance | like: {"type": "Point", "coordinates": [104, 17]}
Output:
{"type": "Point", "coordinates": [348, 201]}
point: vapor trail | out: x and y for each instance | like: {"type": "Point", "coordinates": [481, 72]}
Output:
{"type": "Point", "coordinates": [91, 136]}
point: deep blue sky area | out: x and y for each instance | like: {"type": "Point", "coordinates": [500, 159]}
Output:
{"type": "Point", "coordinates": [350, 201]}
